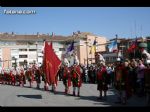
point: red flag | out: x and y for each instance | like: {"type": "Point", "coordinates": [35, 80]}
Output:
{"type": "Point", "coordinates": [51, 63]}
{"type": "Point", "coordinates": [133, 46]}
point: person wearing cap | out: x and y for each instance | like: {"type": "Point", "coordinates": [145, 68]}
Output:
{"type": "Point", "coordinates": [102, 80]}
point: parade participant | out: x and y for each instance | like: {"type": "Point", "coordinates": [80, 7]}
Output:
{"type": "Point", "coordinates": [102, 80]}
{"type": "Point", "coordinates": [66, 79]}
{"type": "Point", "coordinates": [94, 75]}
{"type": "Point", "coordinates": [22, 78]}
{"type": "Point", "coordinates": [76, 79]}
{"type": "Point", "coordinates": [13, 77]}
{"type": "Point", "coordinates": [140, 78]}
{"type": "Point", "coordinates": [110, 72]}
{"type": "Point", "coordinates": [5, 77]}
{"type": "Point", "coordinates": [54, 84]}
{"type": "Point", "coordinates": [9, 77]}
{"type": "Point", "coordinates": [127, 79]}
{"type": "Point", "coordinates": [2, 76]}
{"type": "Point", "coordinates": [90, 72]}
{"type": "Point", "coordinates": [122, 81]}
{"type": "Point", "coordinates": [134, 66]}
{"type": "Point", "coordinates": [60, 73]}
{"type": "Point", "coordinates": [29, 76]}
{"type": "Point", "coordinates": [147, 82]}
{"type": "Point", "coordinates": [44, 79]}
{"type": "Point", "coordinates": [118, 83]}
{"type": "Point", "coordinates": [38, 77]}
{"type": "Point", "coordinates": [18, 77]}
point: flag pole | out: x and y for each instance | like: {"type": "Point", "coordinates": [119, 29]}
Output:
{"type": "Point", "coordinates": [134, 49]}
{"type": "Point", "coordinates": [117, 45]}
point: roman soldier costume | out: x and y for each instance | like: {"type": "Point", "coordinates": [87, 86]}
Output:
{"type": "Point", "coordinates": [66, 79]}
{"type": "Point", "coordinates": [18, 80]}
{"type": "Point", "coordinates": [76, 79]}
{"type": "Point", "coordinates": [22, 78]}
{"type": "Point", "coordinates": [5, 77]}
{"type": "Point", "coordinates": [38, 77]}
{"type": "Point", "coordinates": [9, 77]}
{"type": "Point", "coordinates": [44, 79]}
{"type": "Point", "coordinates": [102, 81]}
{"type": "Point", "coordinates": [13, 78]}
{"type": "Point", "coordinates": [29, 76]}
{"type": "Point", "coordinates": [122, 82]}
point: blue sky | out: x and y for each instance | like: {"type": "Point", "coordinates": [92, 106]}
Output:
{"type": "Point", "coordinates": [102, 21]}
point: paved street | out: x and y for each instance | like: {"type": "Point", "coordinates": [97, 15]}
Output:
{"type": "Point", "coordinates": [24, 96]}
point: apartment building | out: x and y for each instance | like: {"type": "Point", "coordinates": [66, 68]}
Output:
{"type": "Point", "coordinates": [28, 48]}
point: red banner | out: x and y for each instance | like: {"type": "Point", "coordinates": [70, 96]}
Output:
{"type": "Point", "coordinates": [133, 46]}
{"type": "Point", "coordinates": [51, 63]}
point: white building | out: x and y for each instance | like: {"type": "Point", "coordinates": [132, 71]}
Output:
{"type": "Point", "coordinates": [26, 47]}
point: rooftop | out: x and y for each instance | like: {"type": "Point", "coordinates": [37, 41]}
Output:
{"type": "Point", "coordinates": [41, 37]}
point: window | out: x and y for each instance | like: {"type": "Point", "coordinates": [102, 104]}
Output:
{"type": "Point", "coordinates": [107, 58]}
{"type": "Point", "coordinates": [22, 49]}
{"type": "Point", "coordinates": [61, 49]}
{"type": "Point", "coordinates": [114, 58]}
{"type": "Point", "coordinates": [32, 49]}
{"type": "Point", "coordinates": [111, 58]}
{"type": "Point", "coordinates": [23, 56]}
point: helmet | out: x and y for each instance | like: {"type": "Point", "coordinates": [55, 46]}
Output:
{"type": "Point", "coordinates": [148, 61]}
{"type": "Point", "coordinates": [118, 59]}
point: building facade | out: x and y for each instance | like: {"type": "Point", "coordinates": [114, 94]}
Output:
{"type": "Point", "coordinates": [83, 44]}
{"type": "Point", "coordinates": [21, 50]}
